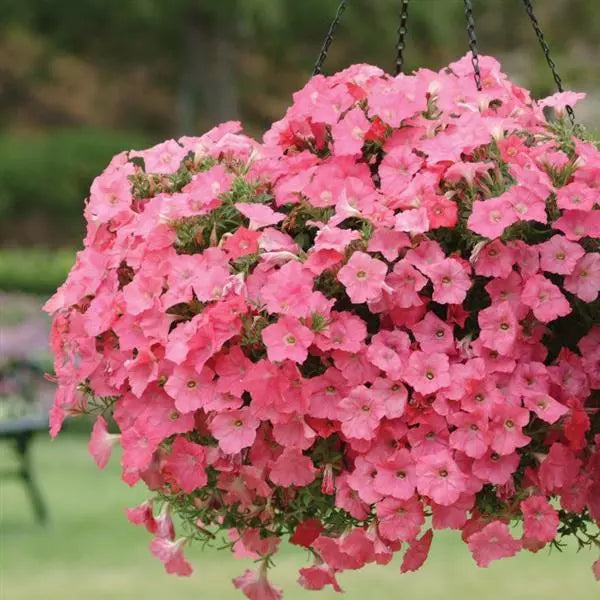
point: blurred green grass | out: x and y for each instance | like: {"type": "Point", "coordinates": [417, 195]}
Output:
{"type": "Point", "coordinates": [88, 551]}
{"type": "Point", "coordinates": [34, 270]}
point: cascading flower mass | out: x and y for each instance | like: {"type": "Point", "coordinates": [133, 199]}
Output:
{"type": "Point", "coordinates": [380, 322]}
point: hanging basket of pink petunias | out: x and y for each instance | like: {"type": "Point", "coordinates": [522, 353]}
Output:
{"type": "Point", "coordinates": [380, 322]}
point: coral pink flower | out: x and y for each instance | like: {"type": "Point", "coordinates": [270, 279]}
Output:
{"type": "Point", "coordinates": [162, 158]}
{"type": "Point", "coordinates": [292, 468]}
{"type": "Point", "coordinates": [186, 463]}
{"type": "Point", "coordinates": [405, 282]}
{"type": "Point", "coordinates": [142, 515]}
{"type": "Point", "coordinates": [575, 196]}
{"type": "Point", "coordinates": [101, 442]}
{"type": "Point", "coordinates": [491, 217]}
{"type": "Point", "coordinates": [495, 468]}
{"type": "Point", "coordinates": [396, 476]}
{"type": "Point", "coordinates": [561, 100]}
{"type": "Point", "coordinates": [349, 133]}
{"type": "Point", "coordinates": [540, 520]}
{"type": "Point", "coordinates": [471, 435]}
{"type": "Point", "coordinates": [427, 372]}
{"type": "Point", "coordinates": [190, 389]}
{"type": "Point", "coordinates": [360, 413]}
{"type": "Point", "coordinates": [584, 281]}
{"type": "Point", "coordinates": [287, 339]}
{"type": "Point", "coordinates": [242, 242]}
{"type": "Point", "coordinates": [576, 224]}
{"type": "Point", "coordinates": [498, 327]}
{"type": "Point", "coordinates": [559, 468]}
{"type": "Point", "coordinates": [507, 434]}
{"type": "Point", "coordinates": [433, 334]}
{"type": "Point", "coordinates": [317, 577]}
{"type": "Point", "coordinates": [451, 281]}
{"type": "Point", "coordinates": [260, 215]}
{"type": "Point", "coordinates": [545, 299]}
{"type": "Point", "coordinates": [417, 553]}
{"type": "Point", "coordinates": [171, 555]}
{"type": "Point", "coordinates": [400, 520]}
{"type": "Point", "coordinates": [559, 255]}
{"type": "Point", "coordinates": [440, 478]}
{"type": "Point", "coordinates": [491, 543]}
{"type": "Point", "coordinates": [307, 532]}
{"type": "Point", "coordinates": [256, 586]}
{"type": "Point", "coordinates": [234, 429]}
{"type": "Point", "coordinates": [545, 407]}
{"type": "Point", "coordinates": [363, 277]}
{"type": "Point", "coordinates": [494, 259]}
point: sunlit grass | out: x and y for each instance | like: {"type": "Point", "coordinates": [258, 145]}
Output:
{"type": "Point", "coordinates": [89, 552]}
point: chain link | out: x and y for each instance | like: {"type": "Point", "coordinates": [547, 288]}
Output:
{"type": "Point", "coordinates": [329, 37]}
{"type": "Point", "coordinates": [473, 43]}
{"type": "Point", "coordinates": [546, 49]}
{"type": "Point", "coordinates": [401, 37]}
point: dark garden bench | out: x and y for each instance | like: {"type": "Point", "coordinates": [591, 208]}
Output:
{"type": "Point", "coordinates": [21, 429]}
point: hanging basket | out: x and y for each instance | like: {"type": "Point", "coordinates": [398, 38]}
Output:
{"type": "Point", "coordinates": [380, 322]}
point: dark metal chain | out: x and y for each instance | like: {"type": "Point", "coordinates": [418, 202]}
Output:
{"type": "Point", "coordinates": [401, 37]}
{"type": "Point", "coordinates": [473, 43]}
{"type": "Point", "coordinates": [546, 50]}
{"type": "Point", "coordinates": [329, 37]}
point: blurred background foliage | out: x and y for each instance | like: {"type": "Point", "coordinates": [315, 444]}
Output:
{"type": "Point", "coordinates": [83, 79]}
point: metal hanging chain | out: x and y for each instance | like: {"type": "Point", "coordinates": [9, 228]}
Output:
{"type": "Point", "coordinates": [546, 50]}
{"type": "Point", "coordinates": [329, 37]}
{"type": "Point", "coordinates": [401, 37]}
{"type": "Point", "coordinates": [473, 43]}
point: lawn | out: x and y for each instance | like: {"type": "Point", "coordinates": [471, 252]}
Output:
{"type": "Point", "coordinates": [88, 551]}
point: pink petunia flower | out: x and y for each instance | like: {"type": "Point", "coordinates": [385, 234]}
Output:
{"type": "Point", "coordinates": [400, 520]}
{"type": "Point", "coordinates": [396, 476]}
{"type": "Point", "coordinates": [241, 243]}
{"type": "Point", "coordinates": [440, 478]}
{"type": "Point", "coordinates": [559, 255]}
{"type": "Point", "coordinates": [576, 224]}
{"type": "Point", "coordinates": [427, 372]}
{"type": "Point", "coordinates": [317, 576]}
{"type": "Point", "coordinates": [292, 468]}
{"type": "Point", "coordinates": [363, 277]}
{"type": "Point", "coordinates": [492, 543]}
{"type": "Point", "coordinates": [540, 520]}
{"type": "Point", "coordinates": [287, 339]}
{"type": "Point", "coordinates": [186, 463]}
{"type": "Point", "coordinates": [360, 413]}
{"type": "Point", "coordinates": [545, 299]}
{"type": "Point", "coordinates": [349, 133]}
{"type": "Point", "coordinates": [234, 429]}
{"type": "Point", "coordinates": [101, 442]}
{"type": "Point", "coordinates": [170, 553]}
{"type": "Point", "coordinates": [498, 327]}
{"type": "Point", "coordinates": [491, 217]}
{"type": "Point", "coordinates": [451, 281]}
{"type": "Point", "coordinates": [584, 281]}
{"type": "Point", "coordinates": [417, 553]}
{"type": "Point", "coordinates": [256, 586]}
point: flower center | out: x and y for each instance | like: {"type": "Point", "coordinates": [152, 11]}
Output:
{"type": "Point", "coordinates": [238, 423]}
{"type": "Point", "coordinates": [365, 408]}
{"type": "Point", "coordinates": [504, 326]}
{"type": "Point", "coordinates": [191, 384]}
{"type": "Point", "coordinates": [509, 423]}
{"type": "Point", "coordinates": [290, 340]}
{"type": "Point", "coordinates": [446, 279]}
{"type": "Point", "coordinates": [400, 474]}
{"type": "Point", "coordinates": [429, 374]}
{"type": "Point", "coordinates": [443, 473]}
{"type": "Point", "coordinates": [361, 275]}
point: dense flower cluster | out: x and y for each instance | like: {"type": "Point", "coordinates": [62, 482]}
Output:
{"type": "Point", "coordinates": [380, 322]}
